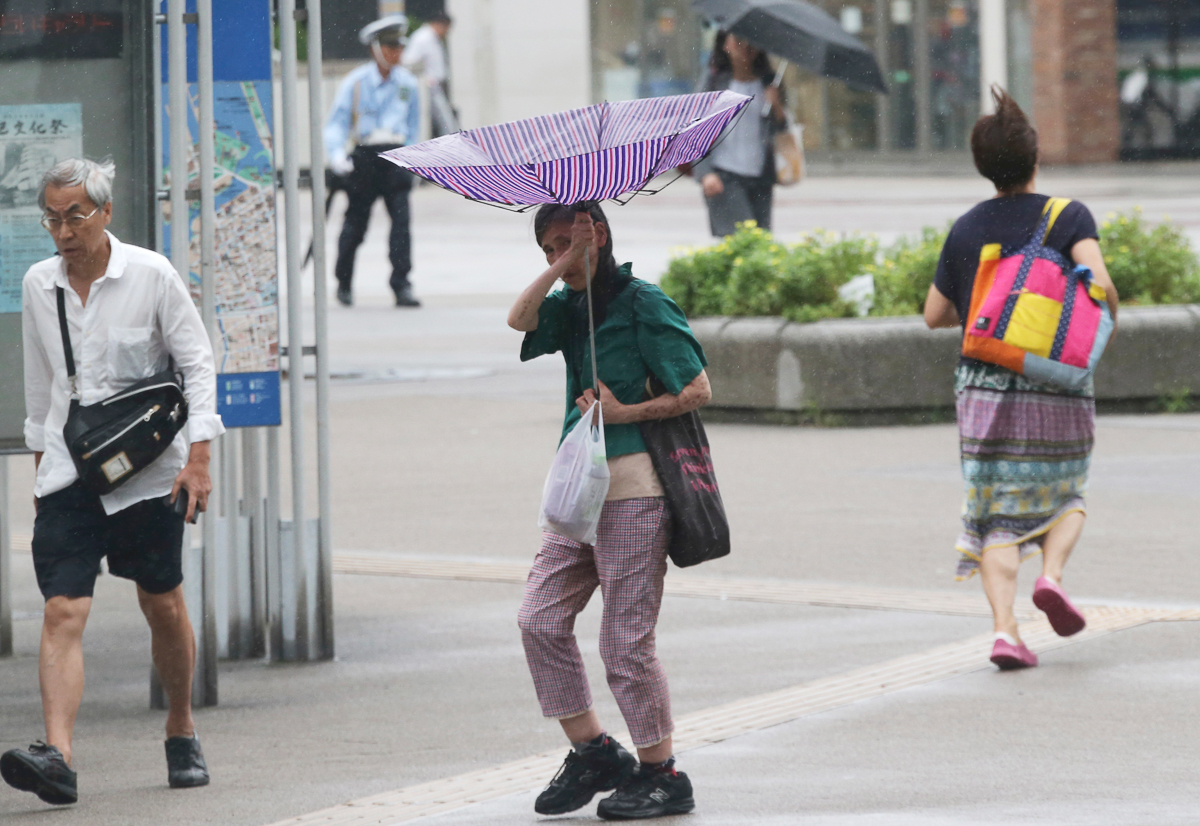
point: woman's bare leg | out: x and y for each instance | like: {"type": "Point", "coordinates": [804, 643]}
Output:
{"type": "Point", "coordinates": [998, 569]}
{"type": "Point", "coordinates": [1059, 543]}
{"type": "Point", "coordinates": [582, 727]}
{"type": "Point", "coordinates": [657, 753]}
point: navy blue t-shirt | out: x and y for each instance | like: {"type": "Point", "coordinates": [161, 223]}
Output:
{"type": "Point", "coordinates": [1009, 222]}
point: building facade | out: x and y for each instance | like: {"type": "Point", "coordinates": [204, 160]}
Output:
{"type": "Point", "coordinates": [1102, 79]}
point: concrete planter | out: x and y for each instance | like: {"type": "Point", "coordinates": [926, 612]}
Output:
{"type": "Point", "coordinates": [893, 366]}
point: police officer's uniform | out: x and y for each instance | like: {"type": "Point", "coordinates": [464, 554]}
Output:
{"type": "Point", "coordinates": [372, 114]}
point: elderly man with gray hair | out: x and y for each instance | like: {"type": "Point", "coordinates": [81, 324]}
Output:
{"type": "Point", "coordinates": [126, 315]}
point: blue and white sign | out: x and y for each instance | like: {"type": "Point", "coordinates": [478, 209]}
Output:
{"type": "Point", "coordinates": [247, 279]}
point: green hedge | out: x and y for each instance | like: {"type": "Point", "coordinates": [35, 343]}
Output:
{"type": "Point", "coordinates": [750, 273]}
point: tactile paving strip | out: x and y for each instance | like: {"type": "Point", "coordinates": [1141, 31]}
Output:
{"type": "Point", "coordinates": [689, 585]}
{"type": "Point", "coordinates": [729, 720]}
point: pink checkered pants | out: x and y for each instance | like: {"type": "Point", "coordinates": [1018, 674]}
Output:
{"type": "Point", "coordinates": [628, 562]}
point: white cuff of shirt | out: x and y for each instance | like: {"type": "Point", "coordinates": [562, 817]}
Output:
{"type": "Point", "coordinates": [35, 437]}
{"type": "Point", "coordinates": [204, 427]}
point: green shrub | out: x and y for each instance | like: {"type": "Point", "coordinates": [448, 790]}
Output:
{"type": "Point", "coordinates": [1149, 266]}
{"type": "Point", "coordinates": [749, 273]}
{"type": "Point", "coordinates": [903, 277]}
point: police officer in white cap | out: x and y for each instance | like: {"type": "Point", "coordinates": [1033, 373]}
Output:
{"type": "Point", "coordinates": [376, 109]}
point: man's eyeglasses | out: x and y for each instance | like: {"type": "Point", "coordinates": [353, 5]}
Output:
{"type": "Point", "coordinates": [54, 223]}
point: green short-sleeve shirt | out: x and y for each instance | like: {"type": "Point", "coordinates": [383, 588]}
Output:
{"type": "Point", "coordinates": [659, 342]}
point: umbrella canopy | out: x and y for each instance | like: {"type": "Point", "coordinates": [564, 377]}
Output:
{"type": "Point", "coordinates": [801, 33]}
{"type": "Point", "coordinates": [590, 154]}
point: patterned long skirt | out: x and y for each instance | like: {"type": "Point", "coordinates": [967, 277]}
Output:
{"type": "Point", "coordinates": [1025, 457]}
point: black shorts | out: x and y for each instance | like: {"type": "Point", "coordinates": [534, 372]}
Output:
{"type": "Point", "coordinates": [72, 533]}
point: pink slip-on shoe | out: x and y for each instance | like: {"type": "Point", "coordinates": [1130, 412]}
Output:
{"type": "Point", "coordinates": [1009, 655]}
{"type": "Point", "coordinates": [1064, 617]}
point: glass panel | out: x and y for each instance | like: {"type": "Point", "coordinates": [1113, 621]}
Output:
{"type": "Point", "coordinates": [1158, 60]}
{"type": "Point", "coordinates": [850, 114]}
{"type": "Point", "coordinates": [82, 54]}
{"type": "Point", "coordinates": [644, 48]}
{"type": "Point", "coordinates": [1020, 54]}
{"type": "Point", "coordinates": [954, 71]}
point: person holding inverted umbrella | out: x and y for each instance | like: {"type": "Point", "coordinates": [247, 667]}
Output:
{"type": "Point", "coordinates": [616, 333]}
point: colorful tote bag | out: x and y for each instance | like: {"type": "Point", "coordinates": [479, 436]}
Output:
{"type": "Point", "coordinates": [1037, 313]}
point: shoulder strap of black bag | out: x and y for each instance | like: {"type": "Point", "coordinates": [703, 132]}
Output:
{"type": "Point", "coordinates": [654, 387]}
{"type": "Point", "coordinates": [66, 336]}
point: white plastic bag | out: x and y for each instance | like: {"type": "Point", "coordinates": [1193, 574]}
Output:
{"type": "Point", "coordinates": [578, 481]}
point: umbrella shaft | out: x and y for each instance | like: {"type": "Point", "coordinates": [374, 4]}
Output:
{"type": "Point", "coordinates": [587, 276]}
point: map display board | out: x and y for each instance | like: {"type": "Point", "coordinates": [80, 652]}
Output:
{"type": "Point", "coordinates": [247, 283]}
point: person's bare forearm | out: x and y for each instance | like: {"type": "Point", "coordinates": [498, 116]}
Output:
{"type": "Point", "coordinates": [695, 395]}
{"type": "Point", "coordinates": [523, 316]}
{"type": "Point", "coordinates": [200, 452]}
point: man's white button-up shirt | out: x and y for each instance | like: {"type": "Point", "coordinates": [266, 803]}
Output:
{"type": "Point", "coordinates": [137, 314]}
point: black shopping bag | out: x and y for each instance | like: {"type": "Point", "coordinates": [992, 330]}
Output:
{"type": "Point", "coordinates": [678, 448]}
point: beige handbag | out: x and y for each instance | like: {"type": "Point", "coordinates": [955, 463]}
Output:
{"type": "Point", "coordinates": [789, 155]}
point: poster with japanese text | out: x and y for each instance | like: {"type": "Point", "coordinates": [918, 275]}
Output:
{"type": "Point", "coordinates": [33, 138]}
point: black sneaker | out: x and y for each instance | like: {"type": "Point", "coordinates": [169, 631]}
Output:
{"type": "Point", "coordinates": [344, 296]}
{"type": "Point", "coordinates": [649, 793]}
{"type": "Point", "coordinates": [41, 770]}
{"type": "Point", "coordinates": [185, 763]}
{"type": "Point", "coordinates": [597, 769]}
{"type": "Point", "coordinates": [405, 297]}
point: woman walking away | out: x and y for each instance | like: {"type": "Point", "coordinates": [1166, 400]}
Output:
{"type": "Point", "coordinates": [1025, 446]}
{"type": "Point", "coordinates": [639, 332]}
{"type": "Point", "coordinates": [738, 176]}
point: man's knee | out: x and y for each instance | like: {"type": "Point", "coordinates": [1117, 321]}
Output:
{"type": "Point", "coordinates": [165, 610]}
{"type": "Point", "coordinates": [66, 615]}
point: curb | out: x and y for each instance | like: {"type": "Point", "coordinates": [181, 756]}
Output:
{"type": "Point", "coordinates": [895, 369]}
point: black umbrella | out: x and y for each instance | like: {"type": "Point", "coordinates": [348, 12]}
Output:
{"type": "Point", "coordinates": [799, 32]}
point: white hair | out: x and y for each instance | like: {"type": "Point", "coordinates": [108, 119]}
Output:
{"type": "Point", "coordinates": [95, 176]}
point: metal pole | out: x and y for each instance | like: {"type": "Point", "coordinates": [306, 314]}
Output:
{"type": "Point", "coordinates": [5, 565]}
{"type": "Point", "coordinates": [252, 507]}
{"type": "Point", "coordinates": [316, 110]}
{"type": "Point", "coordinates": [208, 311]}
{"type": "Point", "coordinates": [922, 75]}
{"type": "Point", "coordinates": [274, 578]}
{"type": "Point", "coordinates": [883, 103]}
{"type": "Point", "coordinates": [993, 51]}
{"type": "Point", "coordinates": [291, 196]}
{"type": "Point", "coordinates": [233, 571]}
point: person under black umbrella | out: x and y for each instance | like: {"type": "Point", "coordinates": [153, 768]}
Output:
{"type": "Point", "coordinates": [738, 176]}
{"type": "Point", "coordinates": [377, 108]}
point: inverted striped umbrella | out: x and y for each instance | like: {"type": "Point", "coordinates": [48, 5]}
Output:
{"type": "Point", "coordinates": [574, 157]}
{"type": "Point", "coordinates": [591, 154]}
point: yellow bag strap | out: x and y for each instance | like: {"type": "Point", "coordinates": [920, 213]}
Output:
{"type": "Point", "coordinates": [1054, 206]}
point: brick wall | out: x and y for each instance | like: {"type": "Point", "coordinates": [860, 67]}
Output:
{"type": "Point", "coordinates": [1075, 99]}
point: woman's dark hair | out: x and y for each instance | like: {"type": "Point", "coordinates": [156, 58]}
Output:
{"type": "Point", "coordinates": [720, 64]}
{"type": "Point", "coordinates": [549, 214]}
{"type": "Point", "coordinates": [1005, 145]}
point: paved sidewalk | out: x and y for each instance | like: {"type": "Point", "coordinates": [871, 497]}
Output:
{"type": "Point", "coordinates": [441, 441]}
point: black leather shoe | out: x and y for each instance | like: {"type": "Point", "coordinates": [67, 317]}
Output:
{"type": "Point", "coordinates": [344, 297]}
{"type": "Point", "coordinates": [185, 763]}
{"type": "Point", "coordinates": [597, 769]}
{"type": "Point", "coordinates": [41, 770]}
{"type": "Point", "coordinates": [405, 297]}
{"type": "Point", "coordinates": [649, 793]}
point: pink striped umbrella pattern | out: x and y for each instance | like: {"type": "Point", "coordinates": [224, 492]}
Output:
{"type": "Point", "coordinates": [590, 154]}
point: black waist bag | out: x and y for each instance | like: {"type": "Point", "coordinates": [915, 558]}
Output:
{"type": "Point", "coordinates": [112, 440]}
